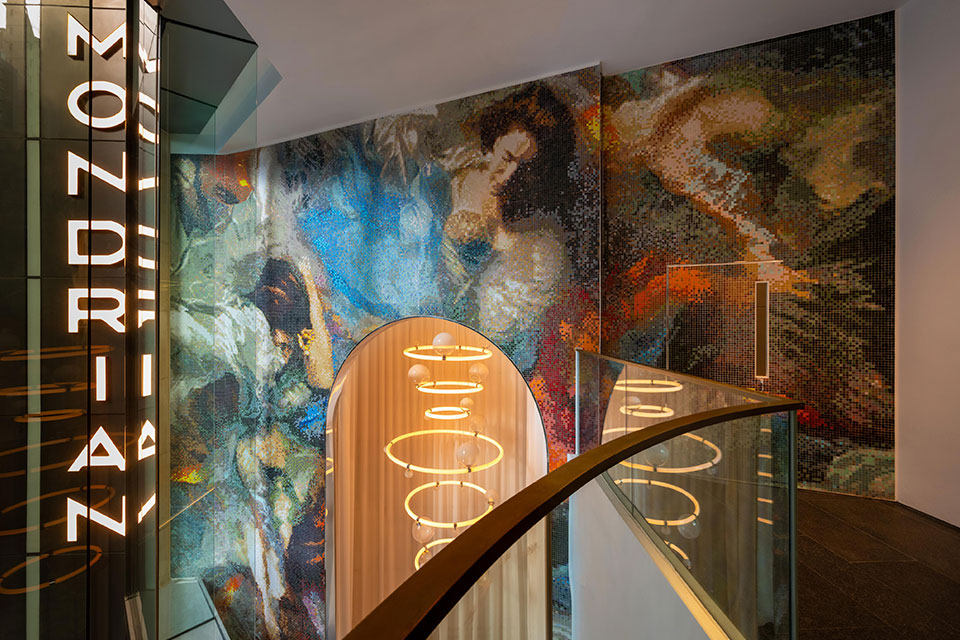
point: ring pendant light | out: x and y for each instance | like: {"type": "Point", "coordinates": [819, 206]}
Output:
{"type": "Point", "coordinates": [447, 413]}
{"type": "Point", "coordinates": [458, 353]}
{"type": "Point", "coordinates": [426, 549]}
{"type": "Point", "coordinates": [445, 525]}
{"type": "Point", "coordinates": [449, 387]}
{"type": "Point", "coordinates": [439, 471]}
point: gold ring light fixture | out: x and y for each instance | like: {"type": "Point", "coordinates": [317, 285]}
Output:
{"type": "Point", "coordinates": [449, 387]}
{"type": "Point", "coordinates": [445, 348]}
{"type": "Point", "coordinates": [456, 524]}
{"type": "Point", "coordinates": [426, 550]}
{"type": "Point", "coordinates": [459, 353]}
{"type": "Point", "coordinates": [463, 469]}
{"type": "Point", "coordinates": [447, 413]}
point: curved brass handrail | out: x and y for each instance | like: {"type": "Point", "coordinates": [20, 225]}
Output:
{"type": "Point", "coordinates": [418, 606]}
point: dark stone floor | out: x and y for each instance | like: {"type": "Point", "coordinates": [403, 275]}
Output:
{"type": "Point", "coordinates": [871, 569]}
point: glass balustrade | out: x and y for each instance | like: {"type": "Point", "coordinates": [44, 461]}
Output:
{"type": "Point", "coordinates": [675, 520]}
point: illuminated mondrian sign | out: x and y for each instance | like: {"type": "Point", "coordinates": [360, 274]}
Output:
{"type": "Point", "coordinates": [117, 233]}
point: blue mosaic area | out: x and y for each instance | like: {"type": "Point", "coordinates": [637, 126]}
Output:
{"type": "Point", "coordinates": [483, 210]}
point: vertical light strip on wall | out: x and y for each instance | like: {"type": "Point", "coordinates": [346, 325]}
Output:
{"type": "Point", "coordinates": [147, 375]}
{"type": "Point", "coordinates": [762, 329]}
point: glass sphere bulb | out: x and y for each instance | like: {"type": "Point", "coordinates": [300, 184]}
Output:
{"type": "Point", "coordinates": [690, 530]}
{"type": "Point", "coordinates": [418, 373]}
{"type": "Point", "coordinates": [468, 453]}
{"type": "Point", "coordinates": [477, 424]}
{"type": "Point", "coordinates": [656, 455]}
{"type": "Point", "coordinates": [478, 372]}
{"type": "Point", "coordinates": [467, 403]}
{"type": "Point", "coordinates": [492, 497]}
{"type": "Point", "coordinates": [422, 533]}
{"type": "Point", "coordinates": [444, 343]}
{"type": "Point", "coordinates": [633, 401]}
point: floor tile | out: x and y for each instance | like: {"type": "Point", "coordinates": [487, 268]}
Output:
{"type": "Point", "coordinates": [924, 633]}
{"type": "Point", "coordinates": [930, 541]}
{"type": "Point", "coordinates": [817, 556]}
{"type": "Point", "coordinates": [841, 538]}
{"type": "Point", "coordinates": [889, 604]}
{"type": "Point", "coordinates": [872, 570]}
{"type": "Point", "coordinates": [852, 633]}
{"type": "Point", "coordinates": [922, 586]}
{"type": "Point", "coordinates": [823, 606]}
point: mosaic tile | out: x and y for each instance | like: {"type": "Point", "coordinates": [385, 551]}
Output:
{"type": "Point", "coordinates": [778, 156]}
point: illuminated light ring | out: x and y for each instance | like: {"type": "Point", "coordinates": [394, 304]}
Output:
{"type": "Point", "coordinates": [445, 525]}
{"type": "Point", "coordinates": [50, 416]}
{"type": "Point", "coordinates": [666, 485]}
{"type": "Point", "coordinates": [54, 352]}
{"type": "Point", "coordinates": [443, 472]}
{"type": "Point", "coordinates": [419, 352]}
{"type": "Point", "coordinates": [47, 583]}
{"type": "Point", "coordinates": [677, 550]}
{"type": "Point", "coordinates": [646, 411]}
{"type": "Point", "coordinates": [647, 386]}
{"type": "Point", "coordinates": [329, 466]}
{"type": "Point", "coordinates": [427, 547]}
{"type": "Point", "coordinates": [449, 387]}
{"type": "Point", "coordinates": [45, 389]}
{"type": "Point", "coordinates": [53, 494]}
{"type": "Point", "coordinates": [689, 469]}
{"type": "Point", "coordinates": [447, 413]}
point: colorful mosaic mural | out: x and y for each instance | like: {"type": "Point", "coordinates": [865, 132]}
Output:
{"type": "Point", "coordinates": [483, 210]}
{"type": "Point", "coordinates": [770, 162]}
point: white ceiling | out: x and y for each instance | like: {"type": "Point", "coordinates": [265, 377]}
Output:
{"type": "Point", "coordinates": [347, 61]}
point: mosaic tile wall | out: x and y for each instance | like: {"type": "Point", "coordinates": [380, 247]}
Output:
{"type": "Point", "coordinates": [779, 154]}
{"type": "Point", "coordinates": [483, 210]}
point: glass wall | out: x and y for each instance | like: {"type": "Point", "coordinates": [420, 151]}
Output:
{"type": "Point", "coordinates": [209, 123]}
{"type": "Point", "coordinates": [77, 341]}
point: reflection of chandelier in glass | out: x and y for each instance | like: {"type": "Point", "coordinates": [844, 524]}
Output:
{"type": "Point", "coordinates": [718, 454]}
{"type": "Point", "coordinates": [631, 385]}
{"type": "Point", "coordinates": [653, 459]}
{"type": "Point", "coordinates": [638, 410]}
{"type": "Point", "coordinates": [675, 522]}
{"type": "Point", "coordinates": [445, 349]}
{"type": "Point", "coordinates": [684, 558]}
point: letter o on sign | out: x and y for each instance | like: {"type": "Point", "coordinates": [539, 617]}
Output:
{"type": "Point", "coordinates": [73, 104]}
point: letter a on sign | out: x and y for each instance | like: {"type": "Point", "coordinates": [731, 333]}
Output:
{"type": "Point", "coordinates": [112, 457]}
